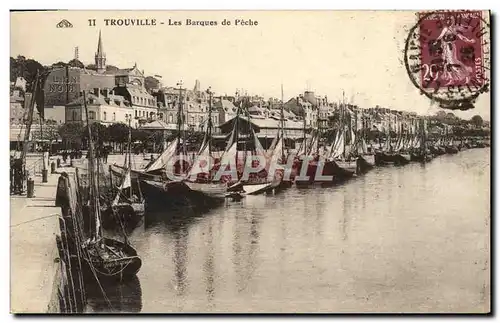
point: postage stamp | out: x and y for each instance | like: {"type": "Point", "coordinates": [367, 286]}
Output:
{"type": "Point", "coordinates": [447, 56]}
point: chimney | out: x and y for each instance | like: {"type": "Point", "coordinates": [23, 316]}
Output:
{"type": "Point", "coordinates": [96, 92]}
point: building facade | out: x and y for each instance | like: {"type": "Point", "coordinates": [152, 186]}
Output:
{"type": "Point", "coordinates": [195, 106]}
{"type": "Point", "coordinates": [103, 107]}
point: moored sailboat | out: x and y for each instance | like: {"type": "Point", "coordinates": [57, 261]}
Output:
{"type": "Point", "coordinates": [201, 177]}
{"type": "Point", "coordinates": [105, 258]}
{"type": "Point", "coordinates": [128, 206]}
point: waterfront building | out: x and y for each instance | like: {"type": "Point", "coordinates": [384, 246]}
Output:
{"type": "Point", "coordinates": [130, 85]}
{"type": "Point", "coordinates": [104, 107]}
{"type": "Point", "coordinates": [64, 85]}
{"type": "Point", "coordinates": [224, 110]}
{"type": "Point", "coordinates": [305, 106]}
{"type": "Point", "coordinates": [194, 105]}
{"type": "Point", "coordinates": [266, 129]}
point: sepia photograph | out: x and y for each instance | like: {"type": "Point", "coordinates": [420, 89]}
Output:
{"type": "Point", "coordinates": [285, 161]}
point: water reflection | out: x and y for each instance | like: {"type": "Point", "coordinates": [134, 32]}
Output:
{"type": "Point", "coordinates": [394, 239]}
{"type": "Point", "coordinates": [180, 259]}
{"type": "Point", "coordinates": [209, 266]}
{"type": "Point", "coordinates": [114, 296]}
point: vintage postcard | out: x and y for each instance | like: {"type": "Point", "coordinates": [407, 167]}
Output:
{"type": "Point", "coordinates": [250, 161]}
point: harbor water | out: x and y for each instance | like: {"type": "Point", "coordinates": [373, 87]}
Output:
{"type": "Point", "coordinates": [397, 239]}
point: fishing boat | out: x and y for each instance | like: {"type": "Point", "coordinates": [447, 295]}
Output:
{"type": "Point", "coordinates": [128, 205]}
{"type": "Point", "coordinates": [385, 154]}
{"type": "Point", "coordinates": [201, 176]}
{"type": "Point", "coordinates": [344, 161]}
{"type": "Point", "coordinates": [256, 183]}
{"type": "Point", "coordinates": [365, 156]}
{"type": "Point", "coordinates": [105, 258]}
{"type": "Point", "coordinates": [419, 151]}
{"type": "Point", "coordinates": [400, 154]}
{"type": "Point", "coordinates": [450, 147]}
{"type": "Point", "coordinates": [280, 154]}
{"type": "Point", "coordinates": [437, 148]}
{"type": "Point", "coordinates": [319, 169]}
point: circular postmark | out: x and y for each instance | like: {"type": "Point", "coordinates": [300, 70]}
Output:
{"type": "Point", "coordinates": [447, 57]}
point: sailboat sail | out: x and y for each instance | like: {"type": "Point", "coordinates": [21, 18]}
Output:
{"type": "Point", "coordinates": [126, 183]}
{"type": "Point", "coordinates": [273, 144]}
{"type": "Point", "coordinates": [201, 163]}
{"type": "Point", "coordinates": [314, 144]}
{"type": "Point", "coordinates": [277, 151]}
{"type": "Point", "coordinates": [258, 147]}
{"type": "Point", "coordinates": [334, 145]}
{"type": "Point", "coordinates": [164, 157]}
{"type": "Point", "coordinates": [340, 147]}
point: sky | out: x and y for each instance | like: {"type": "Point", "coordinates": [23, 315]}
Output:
{"type": "Point", "coordinates": [358, 53]}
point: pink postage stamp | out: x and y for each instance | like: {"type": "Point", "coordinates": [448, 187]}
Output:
{"type": "Point", "coordinates": [447, 56]}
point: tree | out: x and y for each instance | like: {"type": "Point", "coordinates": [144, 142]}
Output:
{"type": "Point", "coordinates": [118, 132]}
{"type": "Point", "coordinates": [71, 133]}
{"type": "Point", "coordinates": [59, 64]}
{"type": "Point", "coordinates": [75, 63]}
{"type": "Point", "coordinates": [100, 133]}
{"type": "Point", "coordinates": [441, 115]}
{"type": "Point", "coordinates": [140, 135]}
{"type": "Point", "coordinates": [111, 68]}
{"type": "Point", "coordinates": [477, 121]}
{"type": "Point", "coordinates": [27, 68]}
{"type": "Point", "coordinates": [151, 83]}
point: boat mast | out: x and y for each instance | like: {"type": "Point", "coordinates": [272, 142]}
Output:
{"type": "Point", "coordinates": [304, 142]}
{"type": "Point", "coordinates": [282, 124]}
{"type": "Point", "coordinates": [180, 128]}
{"type": "Point", "coordinates": [236, 132]}
{"type": "Point", "coordinates": [29, 122]}
{"type": "Point", "coordinates": [94, 190]}
{"type": "Point", "coordinates": [318, 126]}
{"type": "Point", "coordinates": [343, 122]}
{"type": "Point", "coordinates": [129, 152]}
{"type": "Point", "coordinates": [209, 123]}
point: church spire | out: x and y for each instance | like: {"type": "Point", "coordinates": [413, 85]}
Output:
{"type": "Point", "coordinates": [100, 57]}
{"type": "Point", "coordinates": [100, 49]}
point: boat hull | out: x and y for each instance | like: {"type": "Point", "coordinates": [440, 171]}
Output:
{"type": "Point", "coordinates": [217, 190]}
{"type": "Point", "coordinates": [122, 268]}
{"type": "Point", "coordinates": [257, 188]}
{"type": "Point", "coordinates": [131, 215]}
{"type": "Point", "coordinates": [451, 150]}
{"type": "Point", "coordinates": [161, 195]}
{"type": "Point", "coordinates": [337, 170]}
{"type": "Point", "coordinates": [402, 159]}
{"type": "Point", "coordinates": [346, 169]}
{"type": "Point", "coordinates": [365, 163]}
{"type": "Point", "coordinates": [420, 157]}
{"type": "Point", "coordinates": [382, 158]}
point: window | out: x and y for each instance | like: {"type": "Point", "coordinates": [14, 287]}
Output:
{"type": "Point", "coordinates": [91, 115]}
{"type": "Point", "coordinates": [142, 101]}
{"type": "Point", "coordinates": [136, 113]}
{"type": "Point", "coordinates": [104, 116]}
{"type": "Point", "coordinates": [114, 116]}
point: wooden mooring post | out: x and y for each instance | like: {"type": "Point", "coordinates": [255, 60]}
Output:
{"type": "Point", "coordinates": [72, 287]}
